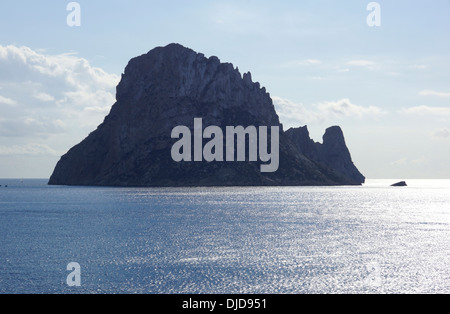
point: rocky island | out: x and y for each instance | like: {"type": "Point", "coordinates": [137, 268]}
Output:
{"type": "Point", "coordinates": [399, 184]}
{"type": "Point", "coordinates": [172, 86]}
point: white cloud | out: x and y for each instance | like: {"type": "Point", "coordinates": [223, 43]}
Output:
{"type": "Point", "coordinates": [344, 107]}
{"type": "Point", "coordinates": [51, 88]}
{"type": "Point", "coordinates": [418, 67]}
{"type": "Point", "coordinates": [434, 93]}
{"type": "Point", "coordinates": [411, 162]}
{"type": "Point", "coordinates": [30, 127]}
{"type": "Point", "coordinates": [7, 101]}
{"type": "Point", "coordinates": [361, 63]}
{"type": "Point", "coordinates": [54, 100]}
{"type": "Point", "coordinates": [291, 113]}
{"type": "Point", "coordinates": [44, 97]}
{"type": "Point", "coordinates": [310, 62]}
{"type": "Point", "coordinates": [97, 109]}
{"type": "Point", "coordinates": [369, 65]}
{"type": "Point", "coordinates": [399, 162]}
{"type": "Point", "coordinates": [441, 133]}
{"type": "Point", "coordinates": [28, 149]}
{"type": "Point", "coordinates": [442, 112]}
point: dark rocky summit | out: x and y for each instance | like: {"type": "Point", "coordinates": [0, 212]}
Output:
{"type": "Point", "coordinates": [169, 87]}
{"type": "Point", "coordinates": [333, 153]}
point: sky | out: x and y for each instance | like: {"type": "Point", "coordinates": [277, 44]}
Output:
{"type": "Point", "coordinates": [387, 85]}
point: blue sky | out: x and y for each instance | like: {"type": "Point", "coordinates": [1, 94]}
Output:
{"type": "Point", "coordinates": [387, 87]}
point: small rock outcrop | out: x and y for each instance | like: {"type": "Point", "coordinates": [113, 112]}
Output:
{"type": "Point", "coordinates": [399, 184]}
{"type": "Point", "coordinates": [171, 86]}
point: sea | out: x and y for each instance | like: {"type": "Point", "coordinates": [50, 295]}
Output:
{"type": "Point", "coordinates": [370, 239]}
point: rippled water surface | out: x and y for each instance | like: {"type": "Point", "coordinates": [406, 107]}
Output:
{"type": "Point", "coordinates": [369, 239]}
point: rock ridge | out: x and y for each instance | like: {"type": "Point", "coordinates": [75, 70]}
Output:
{"type": "Point", "coordinates": [170, 86]}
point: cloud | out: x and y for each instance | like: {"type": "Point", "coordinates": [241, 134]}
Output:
{"type": "Point", "coordinates": [399, 162]}
{"type": "Point", "coordinates": [434, 93]}
{"type": "Point", "coordinates": [58, 98]}
{"type": "Point", "coordinates": [28, 149]}
{"type": "Point", "coordinates": [368, 65]}
{"type": "Point", "coordinates": [44, 97]}
{"type": "Point", "coordinates": [345, 108]}
{"type": "Point", "coordinates": [441, 133]}
{"type": "Point", "coordinates": [7, 101]}
{"type": "Point", "coordinates": [310, 62]}
{"type": "Point", "coordinates": [418, 67]}
{"type": "Point", "coordinates": [410, 162]}
{"type": "Point", "coordinates": [23, 127]}
{"type": "Point", "coordinates": [48, 88]}
{"type": "Point", "coordinates": [292, 113]}
{"type": "Point", "coordinates": [441, 112]}
{"type": "Point", "coordinates": [342, 70]}
{"type": "Point", "coordinates": [361, 63]}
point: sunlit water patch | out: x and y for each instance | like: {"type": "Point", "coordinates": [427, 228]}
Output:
{"type": "Point", "coordinates": [369, 239]}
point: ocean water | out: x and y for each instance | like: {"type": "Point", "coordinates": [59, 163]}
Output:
{"type": "Point", "coordinates": [368, 239]}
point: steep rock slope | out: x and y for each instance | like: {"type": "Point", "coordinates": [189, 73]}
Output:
{"type": "Point", "coordinates": [169, 87]}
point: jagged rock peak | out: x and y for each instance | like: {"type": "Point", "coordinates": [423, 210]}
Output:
{"type": "Point", "coordinates": [332, 152]}
{"type": "Point", "coordinates": [171, 86]}
{"type": "Point", "coordinates": [174, 57]}
{"type": "Point", "coordinates": [333, 135]}
{"type": "Point", "coordinates": [180, 73]}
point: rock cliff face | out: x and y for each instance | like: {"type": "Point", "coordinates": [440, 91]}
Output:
{"type": "Point", "coordinates": [332, 153]}
{"type": "Point", "coordinates": [169, 87]}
